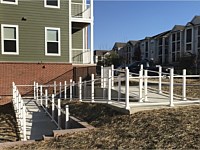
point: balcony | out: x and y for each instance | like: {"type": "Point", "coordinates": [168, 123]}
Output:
{"type": "Point", "coordinates": [80, 56]}
{"type": "Point", "coordinates": [81, 12]}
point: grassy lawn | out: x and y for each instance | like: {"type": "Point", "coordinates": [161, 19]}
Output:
{"type": "Point", "coordinates": [177, 128]}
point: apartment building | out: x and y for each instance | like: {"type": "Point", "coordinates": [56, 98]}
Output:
{"type": "Point", "coordinates": [46, 30]}
{"type": "Point", "coordinates": [168, 47]}
{"type": "Point", "coordinates": [42, 40]}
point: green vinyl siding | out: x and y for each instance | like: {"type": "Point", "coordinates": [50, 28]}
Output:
{"type": "Point", "coordinates": [32, 31]}
{"type": "Point", "coordinates": [77, 42]}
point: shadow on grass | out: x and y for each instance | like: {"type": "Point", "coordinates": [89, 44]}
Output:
{"type": "Point", "coordinates": [8, 124]}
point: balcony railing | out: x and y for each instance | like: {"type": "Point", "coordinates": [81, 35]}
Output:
{"type": "Point", "coordinates": [80, 56]}
{"type": "Point", "coordinates": [80, 10]}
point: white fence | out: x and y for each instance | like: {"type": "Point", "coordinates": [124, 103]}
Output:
{"type": "Point", "coordinates": [20, 110]}
{"type": "Point", "coordinates": [117, 89]}
{"type": "Point", "coordinates": [107, 89]}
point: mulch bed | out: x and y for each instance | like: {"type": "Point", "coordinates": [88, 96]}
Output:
{"type": "Point", "coordinates": [173, 128]}
{"type": "Point", "coordinates": [8, 124]}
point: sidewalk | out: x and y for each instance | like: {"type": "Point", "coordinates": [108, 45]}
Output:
{"type": "Point", "coordinates": [37, 121]}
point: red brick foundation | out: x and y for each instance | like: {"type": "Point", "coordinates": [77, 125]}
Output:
{"type": "Point", "coordinates": [43, 73]}
{"type": "Point", "coordinates": [27, 73]}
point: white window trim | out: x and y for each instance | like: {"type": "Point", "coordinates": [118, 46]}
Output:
{"type": "Point", "coordinates": [50, 6]}
{"type": "Point", "coordinates": [6, 2]}
{"type": "Point", "coordinates": [59, 41]}
{"type": "Point", "coordinates": [2, 39]}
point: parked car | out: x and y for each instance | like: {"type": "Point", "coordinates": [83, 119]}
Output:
{"type": "Point", "coordinates": [121, 68]}
{"type": "Point", "coordinates": [135, 67]}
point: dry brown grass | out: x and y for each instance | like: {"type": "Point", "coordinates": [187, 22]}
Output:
{"type": "Point", "coordinates": [8, 126]}
{"type": "Point", "coordinates": [177, 128]}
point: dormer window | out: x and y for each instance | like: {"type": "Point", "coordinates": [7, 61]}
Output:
{"type": "Point", "coordinates": [15, 2]}
{"type": "Point", "coordinates": [52, 3]}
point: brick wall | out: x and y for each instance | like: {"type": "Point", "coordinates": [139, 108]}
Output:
{"type": "Point", "coordinates": [27, 73]}
{"type": "Point", "coordinates": [84, 72]}
{"type": "Point", "coordinates": [43, 73]}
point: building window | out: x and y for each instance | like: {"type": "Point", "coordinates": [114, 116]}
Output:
{"type": "Point", "coordinates": [199, 42]}
{"type": "Point", "coordinates": [146, 46]}
{"type": "Point", "coordinates": [188, 35]}
{"type": "Point", "coordinates": [178, 46]}
{"type": "Point", "coordinates": [160, 41]}
{"type": "Point", "coordinates": [174, 37]}
{"type": "Point", "coordinates": [178, 36]}
{"type": "Point", "coordinates": [188, 47]}
{"type": "Point", "coordinates": [52, 3]}
{"type": "Point", "coordinates": [52, 41]}
{"type": "Point", "coordinates": [199, 30]}
{"type": "Point", "coordinates": [9, 2]}
{"type": "Point", "coordinates": [173, 47]}
{"type": "Point", "coordinates": [10, 39]}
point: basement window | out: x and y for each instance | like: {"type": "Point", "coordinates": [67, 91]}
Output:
{"type": "Point", "coordinates": [10, 39]}
{"type": "Point", "coordinates": [9, 2]}
{"type": "Point", "coordinates": [52, 3]}
{"type": "Point", "coordinates": [52, 41]}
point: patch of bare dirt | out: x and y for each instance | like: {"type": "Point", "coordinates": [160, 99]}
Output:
{"type": "Point", "coordinates": [174, 128]}
{"type": "Point", "coordinates": [8, 124]}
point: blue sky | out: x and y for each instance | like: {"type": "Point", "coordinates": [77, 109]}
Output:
{"type": "Point", "coordinates": [120, 21]}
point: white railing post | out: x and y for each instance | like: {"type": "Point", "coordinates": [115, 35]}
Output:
{"type": "Point", "coordinates": [85, 90]}
{"type": "Point", "coordinates": [140, 85]}
{"type": "Point", "coordinates": [21, 110]}
{"type": "Point", "coordinates": [24, 122]}
{"type": "Point", "coordinates": [19, 104]}
{"type": "Point", "coordinates": [112, 76]}
{"type": "Point", "coordinates": [41, 98]}
{"type": "Point", "coordinates": [65, 90]}
{"type": "Point", "coordinates": [171, 92]}
{"type": "Point", "coordinates": [46, 99]}
{"type": "Point", "coordinates": [80, 88]}
{"type": "Point", "coordinates": [92, 88]}
{"type": "Point", "coordinates": [53, 107]}
{"type": "Point", "coordinates": [66, 116]}
{"type": "Point", "coordinates": [160, 80]}
{"type": "Point", "coordinates": [34, 90]}
{"type": "Point", "coordinates": [59, 114]}
{"type": "Point", "coordinates": [102, 77]}
{"type": "Point", "coordinates": [14, 94]}
{"type": "Point", "coordinates": [13, 90]}
{"type": "Point", "coordinates": [60, 90]}
{"type": "Point", "coordinates": [17, 101]}
{"type": "Point", "coordinates": [141, 67]}
{"type": "Point", "coordinates": [37, 91]}
{"type": "Point", "coordinates": [54, 88]}
{"type": "Point", "coordinates": [73, 89]}
{"type": "Point", "coordinates": [109, 85]}
{"type": "Point", "coordinates": [127, 106]}
{"type": "Point", "coordinates": [145, 85]}
{"type": "Point", "coordinates": [184, 85]}
{"type": "Point", "coordinates": [70, 90]}
{"type": "Point", "coordinates": [119, 88]}
{"type": "Point", "coordinates": [104, 84]}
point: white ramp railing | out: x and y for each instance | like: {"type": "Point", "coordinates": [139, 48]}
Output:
{"type": "Point", "coordinates": [20, 111]}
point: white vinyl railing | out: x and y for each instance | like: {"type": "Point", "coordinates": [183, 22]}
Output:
{"type": "Point", "coordinates": [81, 56]}
{"type": "Point", "coordinates": [52, 103]}
{"type": "Point", "coordinates": [80, 10]}
{"type": "Point", "coordinates": [20, 111]}
{"type": "Point", "coordinates": [107, 89]}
